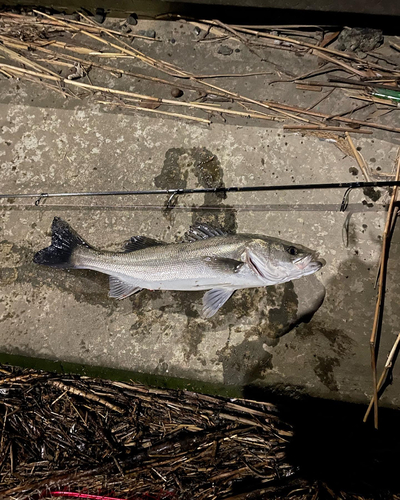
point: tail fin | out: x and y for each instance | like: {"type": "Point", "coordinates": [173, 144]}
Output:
{"type": "Point", "coordinates": [64, 241]}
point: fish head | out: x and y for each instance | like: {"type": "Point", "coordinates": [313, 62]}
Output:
{"type": "Point", "coordinates": [278, 261]}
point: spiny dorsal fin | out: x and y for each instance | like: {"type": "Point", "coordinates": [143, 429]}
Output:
{"type": "Point", "coordinates": [200, 232]}
{"type": "Point", "coordinates": [140, 242]}
{"type": "Point", "coordinates": [121, 289]}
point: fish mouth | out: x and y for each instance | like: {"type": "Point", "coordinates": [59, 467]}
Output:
{"type": "Point", "coordinates": [310, 263]}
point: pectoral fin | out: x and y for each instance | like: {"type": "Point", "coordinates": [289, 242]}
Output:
{"type": "Point", "coordinates": [222, 264]}
{"type": "Point", "coordinates": [214, 299]}
{"type": "Point", "coordinates": [121, 289]}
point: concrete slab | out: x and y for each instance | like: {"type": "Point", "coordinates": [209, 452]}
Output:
{"type": "Point", "coordinates": [66, 316]}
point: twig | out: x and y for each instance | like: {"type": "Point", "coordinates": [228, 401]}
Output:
{"type": "Point", "coordinates": [123, 47]}
{"type": "Point", "coordinates": [86, 395]}
{"type": "Point", "coordinates": [327, 129]}
{"type": "Point", "coordinates": [366, 83]}
{"type": "Point", "coordinates": [235, 75]}
{"type": "Point", "coordinates": [242, 38]}
{"type": "Point", "coordinates": [360, 160]}
{"type": "Point", "coordinates": [68, 57]}
{"type": "Point", "coordinates": [21, 378]}
{"type": "Point", "coordinates": [259, 103]}
{"type": "Point", "coordinates": [303, 111]}
{"type": "Point", "coordinates": [73, 25]}
{"type": "Point", "coordinates": [7, 75]}
{"type": "Point", "coordinates": [375, 100]}
{"type": "Point", "coordinates": [149, 110]}
{"type": "Point", "coordinates": [305, 86]}
{"type": "Point", "coordinates": [320, 100]}
{"type": "Point", "coordinates": [134, 95]}
{"type": "Point", "coordinates": [349, 112]}
{"type": "Point", "coordinates": [342, 64]}
{"type": "Point", "coordinates": [24, 60]}
{"type": "Point", "coordinates": [379, 301]}
{"type": "Point", "coordinates": [388, 368]}
{"type": "Point", "coordinates": [394, 46]}
{"type": "Point", "coordinates": [338, 53]}
{"type": "Point", "coordinates": [320, 83]}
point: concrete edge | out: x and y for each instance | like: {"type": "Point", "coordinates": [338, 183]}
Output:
{"type": "Point", "coordinates": [120, 375]}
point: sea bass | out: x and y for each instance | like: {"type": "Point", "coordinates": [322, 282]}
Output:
{"type": "Point", "coordinates": [209, 259]}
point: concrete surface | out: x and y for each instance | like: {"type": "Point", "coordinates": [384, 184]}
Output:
{"type": "Point", "coordinates": [51, 144]}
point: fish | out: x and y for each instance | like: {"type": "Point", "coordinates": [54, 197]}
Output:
{"type": "Point", "coordinates": [208, 259]}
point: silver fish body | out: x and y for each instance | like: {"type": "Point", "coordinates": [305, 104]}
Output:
{"type": "Point", "coordinates": [211, 260]}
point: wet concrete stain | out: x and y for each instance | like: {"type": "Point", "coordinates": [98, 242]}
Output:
{"type": "Point", "coordinates": [209, 174]}
{"type": "Point", "coordinates": [284, 315]}
{"type": "Point", "coordinates": [245, 363]}
{"type": "Point", "coordinates": [341, 347]}
{"type": "Point", "coordinates": [353, 170]}
{"type": "Point", "coordinates": [205, 167]}
{"type": "Point", "coordinates": [275, 306]}
{"type": "Point", "coordinates": [337, 345]}
{"type": "Point", "coordinates": [340, 343]}
{"type": "Point", "coordinates": [175, 172]}
{"type": "Point", "coordinates": [373, 194]}
{"type": "Point", "coordinates": [324, 369]}
{"type": "Point", "coordinates": [273, 312]}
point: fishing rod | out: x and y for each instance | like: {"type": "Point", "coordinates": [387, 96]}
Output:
{"type": "Point", "coordinates": [220, 189]}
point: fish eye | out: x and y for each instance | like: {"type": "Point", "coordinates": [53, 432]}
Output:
{"type": "Point", "coordinates": [292, 250]}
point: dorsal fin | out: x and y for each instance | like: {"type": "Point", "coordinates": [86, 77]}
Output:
{"type": "Point", "coordinates": [202, 232]}
{"type": "Point", "coordinates": [140, 242]}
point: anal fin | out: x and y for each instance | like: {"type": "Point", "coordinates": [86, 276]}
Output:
{"type": "Point", "coordinates": [121, 289]}
{"type": "Point", "coordinates": [214, 299]}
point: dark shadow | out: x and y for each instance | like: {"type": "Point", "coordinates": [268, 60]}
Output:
{"type": "Point", "coordinates": [238, 14]}
{"type": "Point", "coordinates": [331, 444]}
{"type": "Point", "coordinates": [383, 15]}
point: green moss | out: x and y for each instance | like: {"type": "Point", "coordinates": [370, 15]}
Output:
{"type": "Point", "coordinates": [120, 375]}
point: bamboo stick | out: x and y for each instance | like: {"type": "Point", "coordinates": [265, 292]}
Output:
{"type": "Point", "coordinates": [140, 108]}
{"type": "Point", "coordinates": [360, 160]}
{"type": "Point", "coordinates": [385, 373]}
{"type": "Point", "coordinates": [379, 300]}
{"type": "Point", "coordinates": [327, 129]}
